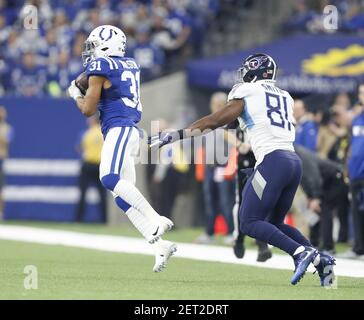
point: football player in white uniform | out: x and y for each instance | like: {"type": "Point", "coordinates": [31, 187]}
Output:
{"type": "Point", "coordinates": [266, 113]}
{"type": "Point", "coordinates": [113, 91]}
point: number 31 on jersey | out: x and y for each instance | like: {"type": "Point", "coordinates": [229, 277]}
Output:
{"type": "Point", "coordinates": [134, 88]}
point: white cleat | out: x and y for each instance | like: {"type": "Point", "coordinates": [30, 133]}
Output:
{"type": "Point", "coordinates": [164, 250]}
{"type": "Point", "coordinates": [163, 226]}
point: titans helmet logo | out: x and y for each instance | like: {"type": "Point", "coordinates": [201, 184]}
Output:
{"type": "Point", "coordinates": [255, 63]}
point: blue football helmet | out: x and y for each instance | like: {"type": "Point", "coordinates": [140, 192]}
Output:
{"type": "Point", "coordinates": [256, 67]}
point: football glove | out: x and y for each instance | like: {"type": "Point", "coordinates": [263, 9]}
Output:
{"type": "Point", "coordinates": [73, 91]}
{"type": "Point", "coordinates": [163, 138]}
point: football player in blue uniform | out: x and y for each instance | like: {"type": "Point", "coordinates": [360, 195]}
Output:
{"type": "Point", "coordinates": [114, 92]}
{"type": "Point", "coordinates": [265, 113]}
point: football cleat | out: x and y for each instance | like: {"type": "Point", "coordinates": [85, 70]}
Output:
{"type": "Point", "coordinates": [302, 261]}
{"type": "Point", "coordinates": [162, 227]}
{"type": "Point", "coordinates": [164, 250]}
{"type": "Point", "coordinates": [264, 255]}
{"type": "Point", "coordinates": [324, 266]}
{"type": "Point", "coordinates": [239, 248]}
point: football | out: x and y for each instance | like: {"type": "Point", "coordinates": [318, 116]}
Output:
{"type": "Point", "coordinates": [82, 82]}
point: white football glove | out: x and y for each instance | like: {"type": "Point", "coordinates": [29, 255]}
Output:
{"type": "Point", "coordinates": [74, 92]}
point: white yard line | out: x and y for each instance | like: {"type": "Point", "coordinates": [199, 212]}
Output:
{"type": "Point", "coordinates": [344, 267]}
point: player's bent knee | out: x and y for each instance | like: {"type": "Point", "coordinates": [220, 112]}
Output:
{"type": "Point", "coordinates": [110, 181]}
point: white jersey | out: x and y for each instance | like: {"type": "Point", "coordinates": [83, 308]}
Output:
{"type": "Point", "coordinates": [267, 117]}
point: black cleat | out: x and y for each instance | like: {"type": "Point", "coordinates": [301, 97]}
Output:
{"type": "Point", "coordinates": [239, 249]}
{"type": "Point", "coordinates": [264, 255]}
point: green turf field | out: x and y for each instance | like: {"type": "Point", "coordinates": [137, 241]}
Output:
{"type": "Point", "coordinates": [73, 273]}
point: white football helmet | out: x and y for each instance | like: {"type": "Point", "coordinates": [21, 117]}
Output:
{"type": "Point", "coordinates": [104, 41]}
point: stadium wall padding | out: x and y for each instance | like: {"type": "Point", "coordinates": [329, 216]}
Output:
{"type": "Point", "coordinates": [43, 165]}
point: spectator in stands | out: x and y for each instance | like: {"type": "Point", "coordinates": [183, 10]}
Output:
{"type": "Point", "coordinates": [354, 18]}
{"type": "Point", "coordinates": [332, 144]}
{"type": "Point", "coordinates": [62, 27]}
{"type": "Point", "coordinates": [62, 23]}
{"type": "Point", "coordinates": [356, 175]}
{"type": "Point", "coordinates": [308, 16]}
{"type": "Point", "coordinates": [343, 99]}
{"type": "Point", "coordinates": [4, 29]}
{"type": "Point", "coordinates": [3, 72]}
{"type": "Point", "coordinates": [144, 18]}
{"type": "Point", "coordinates": [147, 55]}
{"type": "Point", "coordinates": [49, 50]}
{"type": "Point", "coordinates": [12, 52]}
{"type": "Point", "coordinates": [301, 16]}
{"type": "Point", "coordinates": [75, 63]}
{"type": "Point", "coordinates": [28, 78]}
{"type": "Point", "coordinates": [66, 71]}
{"type": "Point", "coordinates": [8, 10]}
{"type": "Point", "coordinates": [128, 10]}
{"type": "Point", "coordinates": [105, 10]}
{"type": "Point", "coordinates": [323, 183]}
{"type": "Point", "coordinates": [306, 129]}
{"type": "Point", "coordinates": [326, 137]}
{"type": "Point", "coordinates": [90, 147]}
{"type": "Point", "coordinates": [178, 22]}
{"type": "Point", "coordinates": [342, 117]}
{"type": "Point", "coordinates": [5, 138]}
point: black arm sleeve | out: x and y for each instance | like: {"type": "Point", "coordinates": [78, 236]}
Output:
{"type": "Point", "coordinates": [233, 125]}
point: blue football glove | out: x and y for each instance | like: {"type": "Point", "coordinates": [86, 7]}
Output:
{"type": "Point", "coordinates": [164, 138]}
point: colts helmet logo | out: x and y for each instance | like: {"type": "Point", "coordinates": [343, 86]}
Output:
{"type": "Point", "coordinates": [257, 62]}
{"type": "Point", "coordinates": [109, 37]}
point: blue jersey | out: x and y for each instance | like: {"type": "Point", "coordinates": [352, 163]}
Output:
{"type": "Point", "coordinates": [356, 160]}
{"type": "Point", "coordinates": [306, 135]}
{"type": "Point", "coordinates": [120, 104]}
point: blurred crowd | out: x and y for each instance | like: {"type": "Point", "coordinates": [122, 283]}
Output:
{"type": "Point", "coordinates": [42, 61]}
{"type": "Point", "coordinates": [330, 142]}
{"type": "Point", "coordinates": [308, 16]}
{"type": "Point", "coordinates": [162, 35]}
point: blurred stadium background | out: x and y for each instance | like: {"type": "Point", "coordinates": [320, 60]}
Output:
{"type": "Point", "coordinates": [187, 50]}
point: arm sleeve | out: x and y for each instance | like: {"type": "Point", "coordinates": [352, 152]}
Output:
{"type": "Point", "coordinates": [233, 125]}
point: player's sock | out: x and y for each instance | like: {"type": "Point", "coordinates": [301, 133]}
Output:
{"type": "Point", "coordinates": [294, 234]}
{"type": "Point", "coordinates": [143, 225]}
{"type": "Point", "coordinates": [140, 222]}
{"type": "Point", "coordinates": [129, 193]}
{"type": "Point", "coordinates": [299, 250]}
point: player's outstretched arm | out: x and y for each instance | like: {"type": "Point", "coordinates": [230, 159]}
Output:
{"type": "Point", "coordinates": [232, 110]}
{"type": "Point", "coordinates": [88, 103]}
